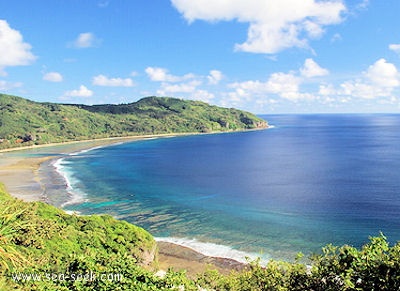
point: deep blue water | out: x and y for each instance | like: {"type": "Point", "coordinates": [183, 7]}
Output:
{"type": "Point", "coordinates": [309, 181]}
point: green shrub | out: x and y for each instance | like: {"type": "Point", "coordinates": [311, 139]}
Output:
{"type": "Point", "coordinates": [39, 239]}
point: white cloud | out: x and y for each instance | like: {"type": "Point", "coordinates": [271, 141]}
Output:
{"type": "Point", "coordinates": [336, 37]}
{"type": "Point", "coordinates": [161, 75]}
{"type": "Point", "coordinates": [5, 86]}
{"type": "Point", "coordinates": [53, 77]}
{"type": "Point", "coordinates": [185, 86]}
{"type": "Point", "coordinates": [188, 87]}
{"type": "Point", "coordinates": [360, 89]}
{"type": "Point", "coordinates": [363, 4]}
{"type": "Point", "coordinates": [285, 85]}
{"type": "Point", "coordinates": [81, 92]}
{"type": "Point", "coordinates": [378, 81]}
{"type": "Point", "coordinates": [274, 25]}
{"type": "Point", "coordinates": [313, 29]}
{"type": "Point", "coordinates": [312, 69]}
{"type": "Point", "coordinates": [102, 80]}
{"type": "Point", "coordinates": [202, 95]}
{"type": "Point", "coordinates": [215, 77]}
{"type": "Point", "coordinates": [395, 48]}
{"type": "Point", "coordinates": [85, 40]}
{"type": "Point", "coordinates": [383, 74]}
{"type": "Point", "coordinates": [327, 90]}
{"type": "Point", "coordinates": [13, 50]}
{"type": "Point", "coordinates": [282, 86]}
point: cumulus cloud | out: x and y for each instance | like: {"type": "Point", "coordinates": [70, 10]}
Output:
{"type": "Point", "coordinates": [102, 80]}
{"type": "Point", "coordinates": [312, 69]}
{"type": "Point", "coordinates": [85, 40]}
{"type": "Point", "coordinates": [187, 87]}
{"type": "Point", "coordinates": [379, 80]}
{"type": "Point", "coordinates": [161, 75]}
{"type": "Point", "coordinates": [285, 85]}
{"type": "Point", "coordinates": [363, 4]}
{"type": "Point", "coordinates": [13, 50]}
{"type": "Point", "coordinates": [83, 91]}
{"type": "Point", "coordinates": [361, 90]}
{"type": "Point", "coordinates": [383, 74]}
{"type": "Point", "coordinates": [214, 77]}
{"type": "Point", "coordinates": [53, 77]}
{"type": "Point", "coordinates": [395, 48]}
{"type": "Point", "coordinates": [274, 25]}
{"type": "Point", "coordinates": [5, 86]}
{"type": "Point", "coordinates": [202, 95]}
{"type": "Point", "coordinates": [336, 37]}
{"type": "Point", "coordinates": [327, 90]}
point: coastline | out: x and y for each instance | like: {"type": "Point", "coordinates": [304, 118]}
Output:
{"type": "Point", "coordinates": [20, 175]}
{"type": "Point", "coordinates": [110, 140]}
{"type": "Point", "coordinates": [101, 141]}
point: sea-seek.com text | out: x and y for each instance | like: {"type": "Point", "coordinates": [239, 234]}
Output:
{"type": "Point", "coordinates": [60, 277]}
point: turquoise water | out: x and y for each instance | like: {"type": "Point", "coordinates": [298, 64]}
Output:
{"type": "Point", "coordinates": [308, 181]}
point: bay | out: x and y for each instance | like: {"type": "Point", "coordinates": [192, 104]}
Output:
{"type": "Point", "coordinates": [308, 181]}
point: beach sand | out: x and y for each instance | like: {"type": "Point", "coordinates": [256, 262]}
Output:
{"type": "Point", "coordinates": [19, 174]}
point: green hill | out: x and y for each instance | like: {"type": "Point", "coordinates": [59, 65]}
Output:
{"type": "Point", "coordinates": [24, 122]}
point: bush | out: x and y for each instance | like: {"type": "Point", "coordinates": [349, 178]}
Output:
{"type": "Point", "coordinates": [38, 239]}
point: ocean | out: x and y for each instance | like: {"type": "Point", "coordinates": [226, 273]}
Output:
{"type": "Point", "coordinates": [307, 181]}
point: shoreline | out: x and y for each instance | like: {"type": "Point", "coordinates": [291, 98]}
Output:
{"type": "Point", "coordinates": [20, 175]}
{"type": "Point", "coordinates": [106, 140]}
{"type": "Point", "coordinates": [111, 140]}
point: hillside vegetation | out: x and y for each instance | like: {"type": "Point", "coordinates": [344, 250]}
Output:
{"type": "Point", "coordinates": [43, 248]}
{"type": "Point", "coordinates": [24, 122]}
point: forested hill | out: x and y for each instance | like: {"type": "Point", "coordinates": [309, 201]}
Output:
{"type": "Point", "coordinates": [24, 122]}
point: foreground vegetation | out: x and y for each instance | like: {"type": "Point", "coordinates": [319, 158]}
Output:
{"type": "Point", "coordinates": [24, 122]}
{"type": "Point", "coordinates": [43, 248]}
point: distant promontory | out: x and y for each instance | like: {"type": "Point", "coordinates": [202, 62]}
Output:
{"type": "Point", "coordinates": [24, 122]}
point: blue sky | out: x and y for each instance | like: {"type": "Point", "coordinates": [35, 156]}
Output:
{"type": "Point", "coordinates": [265, 56]}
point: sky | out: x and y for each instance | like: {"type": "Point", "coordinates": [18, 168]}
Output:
{"type": "Point", "coordinates": [263, 56]}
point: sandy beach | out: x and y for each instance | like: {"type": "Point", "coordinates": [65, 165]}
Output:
{"type": "Point", "coordinates": [19, 166]}
{"type": "Point", "coordinates": [19, 173]}
{"type": "Point", "coordinates": [21, 178]}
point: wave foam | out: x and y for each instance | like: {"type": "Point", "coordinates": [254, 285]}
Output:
{"type": "Point", "coordinates": [76, 196]}
{"type": "Point", "coordinates": [215, 250]}
{"type": "Point", "coordinates": [85, 150]}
